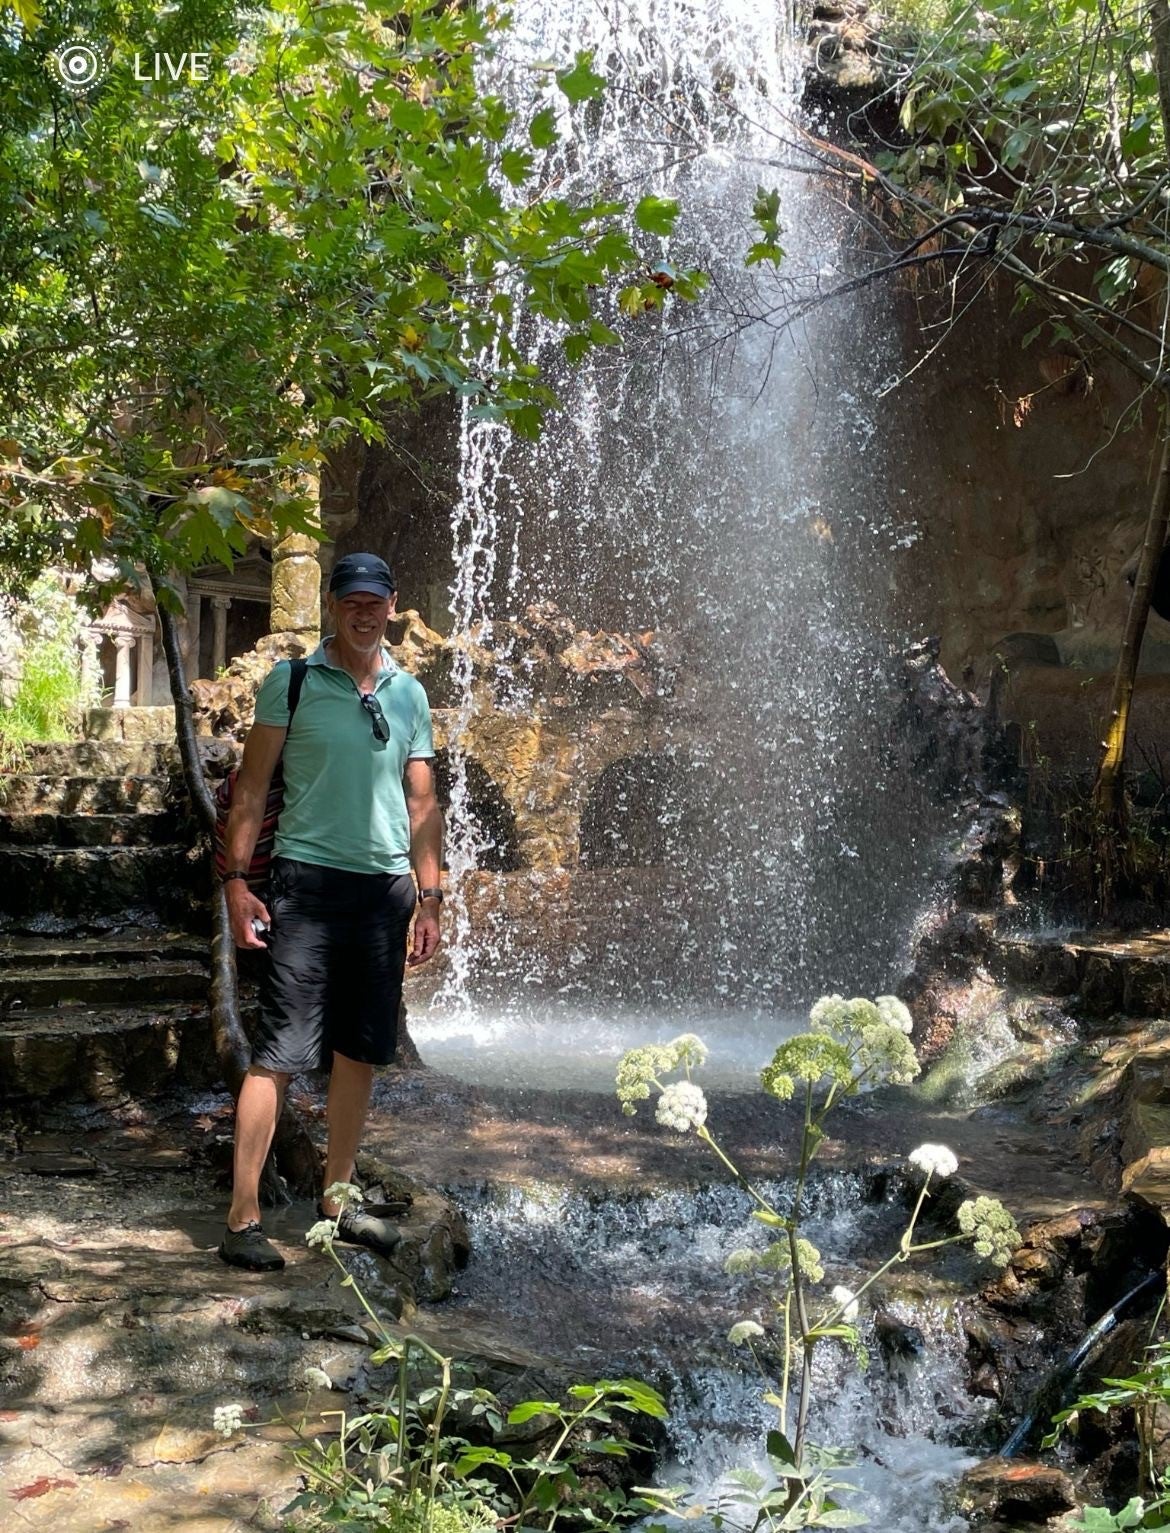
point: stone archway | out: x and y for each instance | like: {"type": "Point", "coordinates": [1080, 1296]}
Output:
{"type": "Point", "coordinates": [494, 819]}
{"type": "Point", "coordinates": [638, 812]}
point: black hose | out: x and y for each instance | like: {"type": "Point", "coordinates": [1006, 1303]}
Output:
{"type": "Point", "coordinates": [1065, 1372]}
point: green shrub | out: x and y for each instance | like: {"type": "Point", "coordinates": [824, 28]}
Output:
{"type": "Point", "coordinates": [50, 694]}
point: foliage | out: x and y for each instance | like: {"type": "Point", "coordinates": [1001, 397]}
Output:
{"type": "Point", "coordinates": [50, 693]}
{"type": "Point", "coordinates": [1145, 1392]}
{"type": "Point", "coordinates": [849, 1045]}
{"type": "Point", "coordinates": [400, 1467]}
{"type": "Point", "coordinates": [1034, 145]}
{"type": "Point", "coordinates": [205, 283]}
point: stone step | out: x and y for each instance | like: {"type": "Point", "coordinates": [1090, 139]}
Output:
{"type": "Point", "coordinates": [132, 944]}
{"type": "Point", "coordinates": [1127, 973]}
{"type": "Point", "coordinates": [104, 1055]}
{"type": "Point", "coordinates": [138, 828]}
{"type": "Point", "coordinates": [26, 793]}
{"type": "Point", "coordinates": [101, 880]}
{"type": "Point", "coordinates": [99, 758]}
{"type": "Point", "coordinates": [143, 983]}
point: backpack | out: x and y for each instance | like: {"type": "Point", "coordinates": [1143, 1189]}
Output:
{"type": "Point", "coordinates": [262, 856]}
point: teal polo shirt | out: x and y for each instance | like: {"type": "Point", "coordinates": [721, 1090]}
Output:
{"type": "Point", "coordinates": [344, 806]}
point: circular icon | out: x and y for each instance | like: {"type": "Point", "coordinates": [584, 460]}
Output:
{"type": "Point", "coordinates": [78, 66]}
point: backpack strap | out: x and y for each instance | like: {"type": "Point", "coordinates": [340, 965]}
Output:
{"type": "Point", "coordinates": [296, 680]}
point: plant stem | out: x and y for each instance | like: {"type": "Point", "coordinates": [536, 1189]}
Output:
{"type": "Point", "coordinates": [787, 1374]}
{"type": "Point", "coordinates": [382, 1331]}
{"type": "Point", "coordinates": [806, 1340]}
{"type": "Point", "coordinates": [708, 1138]}
{"type": "Point", "coordinates": [437, 1424]}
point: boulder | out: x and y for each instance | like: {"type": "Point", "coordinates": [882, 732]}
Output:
{"type": "Point", "coordinates": [1015, 1490]}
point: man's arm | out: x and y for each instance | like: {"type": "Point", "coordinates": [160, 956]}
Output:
{"type": "Point", "coordinates": [262, 751]}
{"type": "Point", "coordinates": [426, 844]}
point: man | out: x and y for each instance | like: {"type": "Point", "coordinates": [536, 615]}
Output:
{"type": "Point", "coordinates": [359, 810]}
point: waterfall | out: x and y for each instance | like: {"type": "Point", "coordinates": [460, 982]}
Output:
{"type": "Point", "coordinates": [725, 481]}
{"type": "Point", "coordinates": [633, 1282]}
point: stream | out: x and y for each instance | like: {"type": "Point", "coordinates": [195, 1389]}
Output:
{"type": "Point", "coordinates": [634, 1284]}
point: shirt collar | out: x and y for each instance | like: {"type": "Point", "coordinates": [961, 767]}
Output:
{"type": "Point", "coordinates": [318, 657]}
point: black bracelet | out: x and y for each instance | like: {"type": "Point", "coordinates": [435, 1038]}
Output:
{"type": "Point", "coordinates": [431, 894]}
{"type": "Point", "coordinates": [226, 878]}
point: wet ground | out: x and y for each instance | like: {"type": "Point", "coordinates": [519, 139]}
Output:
{"type": "Point", "coordinates": [122, 1331]}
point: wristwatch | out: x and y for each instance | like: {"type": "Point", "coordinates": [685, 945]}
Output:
{"type": "Point", "coordinates": [226, 878]}
{"type": "Point", "coordinates": [431, 894]}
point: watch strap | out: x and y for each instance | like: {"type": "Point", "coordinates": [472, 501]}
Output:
{"type": "Point", "coordinates": [431, 894]}
{"type": "Point", "coordinates": [226, 878]}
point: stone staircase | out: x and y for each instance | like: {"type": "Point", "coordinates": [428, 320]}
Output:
{"type": "Point", "coordinates": [103, 967]}
{"type": "Point", "coordinates": [1091, 1013]}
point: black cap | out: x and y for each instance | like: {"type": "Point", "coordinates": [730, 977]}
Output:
{"type": "Point", "coordinates": [361, 572]}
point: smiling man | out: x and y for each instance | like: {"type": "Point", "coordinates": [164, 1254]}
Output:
{"type": "Point", "coordinates": [359, 812]}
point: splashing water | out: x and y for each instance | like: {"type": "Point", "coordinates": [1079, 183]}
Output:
{"type": "Point", "coordinates": [635, 1283]}
{"type": "Point", "coordinates": [727, 482]}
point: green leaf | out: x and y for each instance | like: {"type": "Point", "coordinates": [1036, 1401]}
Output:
{"type": "Point", "coordinates": [602, 335]}
{"type": "Point", "coordinates": [475, 1458]}
{"type": "Point", "coordinates": [159, 215]}
{"type": "Point", "coordinates": [762, 251]}
{"type": "Point", "coordinates": [525, 1411]}
{"type": "Point", "coordinates": [780, 1448]}
{"type": "Point", "coordinates": [542, 130]}
{"type": "Point", "coordinates": [581, 83]}
{"type": "Point", "coordinates": [656, 215]}
{"type": "Point", "coordinates": [516, 165]}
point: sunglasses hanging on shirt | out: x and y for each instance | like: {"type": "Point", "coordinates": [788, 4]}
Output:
{"type": "Point", "coordinates": [377, 718]}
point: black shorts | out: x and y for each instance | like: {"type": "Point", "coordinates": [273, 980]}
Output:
{"type": "Point", "coordinates": [333, 980]}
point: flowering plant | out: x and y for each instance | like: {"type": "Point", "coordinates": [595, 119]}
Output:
{"type": "Point", "coordinates": [849, 1045]}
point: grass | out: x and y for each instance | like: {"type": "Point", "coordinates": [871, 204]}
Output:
{"type": "Point", "coordinates": [50, 694]}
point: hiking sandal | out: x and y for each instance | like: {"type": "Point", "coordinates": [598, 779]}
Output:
{"type": "Point", "coordinates": [250, 1248]}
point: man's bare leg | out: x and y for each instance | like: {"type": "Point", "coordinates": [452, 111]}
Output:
{"type": "Point", "coordinates": [349, 1099]}
{"type": "Point", "coordinates": [258, 1108]}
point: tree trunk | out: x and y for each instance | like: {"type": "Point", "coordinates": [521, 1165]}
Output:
{"type": "Point", "coordinates": [294, 1156]}
{"type": "Point", "coordinates": [1109, 791]}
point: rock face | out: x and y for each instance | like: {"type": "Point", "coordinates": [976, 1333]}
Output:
{"type": "Point", "coordinates": [1013, 1491]}
{"type": "Point", "coordinates": [962, 745]}
{"type": "Point", "coordinates": [842, 50]}
{"type": "Point", "coordinates": [552, 709]}
{"type": "Point", "coordinates": [227, 707]}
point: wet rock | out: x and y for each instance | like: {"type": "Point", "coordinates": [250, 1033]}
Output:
{"type": "Point", "coordinates": [1015, 1490]}
{"type": "Point", "coordinates": [897, 1338]}
{"type": "Point", "coordinates": [226, 707]}
{"type": "Point", "coordinates": [1044, 965]}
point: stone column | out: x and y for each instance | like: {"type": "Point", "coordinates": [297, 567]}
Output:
{"type": "Point", "coordinates": [123, 643]}
{"type": "Point", "coordinates": [219, 612]}
{"type": "Point", "coordinates": [194, 631]}
{"type": "Point", "coordinates": [91, 671]}
{"type": "Point", "coordinates": [296, 588]}
{"type": "Point", "coordinates": [144, 696]}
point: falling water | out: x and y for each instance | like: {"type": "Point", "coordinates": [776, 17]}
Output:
{"type": "Point", "coordinates": [635, 1284]}
{"type": "Point", "coordinates": [724, 480]}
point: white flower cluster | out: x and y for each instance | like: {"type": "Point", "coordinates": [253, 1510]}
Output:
{"type": "Point", "coordinates": [639, 1069]}
{"type": "Point", "coordinates": [846, 1300]}
{"type": "Point", "coordinates": [744, 1330]}
{"type": "Point", "coordinates": [316, 1378]}
{"type": "Point", "coordinates": [343, 1193]}
{"type": "Point", "coordinates": [228, 1419]}
{"type": "Point", "coordinates": [876, 1033]}
{"type": "Point", "coordinates": [681, 1106]}
{"type": "Point", "coordinates": [934, 1160]}
{"type": "Point", "coordinates": [994, 1230]}
{"type": "Point", "coordinates": [895, 1013]}
{"type": "Point", "coordinates": [321, 1234]}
